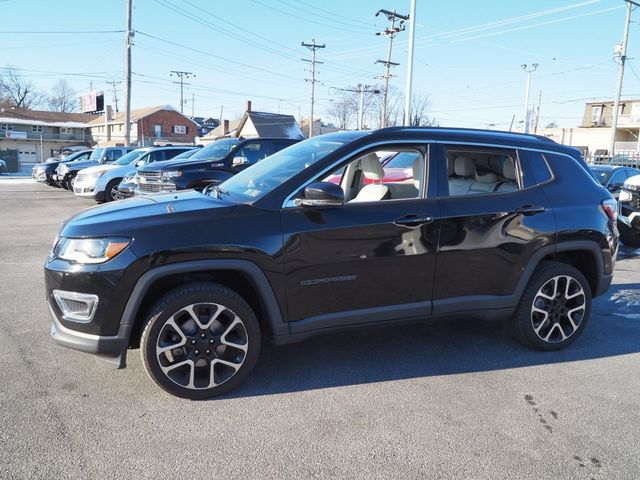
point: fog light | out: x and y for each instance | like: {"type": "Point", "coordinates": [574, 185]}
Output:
{"type": "Point", "coordinates": [76, 307]}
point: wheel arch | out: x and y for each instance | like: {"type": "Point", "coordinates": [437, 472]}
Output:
{"type": "Point", "coordinates": [242, 276]}
{"type": "Point", "coordinates": [586, 256]}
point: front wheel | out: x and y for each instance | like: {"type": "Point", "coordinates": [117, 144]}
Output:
{"type": "Point", "coordinates": [554, 308]}
{"type": "Point", "coordinates": [70, 183]}
{"type": "Point", "coordinates": [201, 340]}
{"type": "Point", "coordinates": [112, 192]}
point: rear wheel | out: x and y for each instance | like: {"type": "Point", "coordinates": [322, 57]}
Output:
{"type": "Point", "coordinates": [70, 183]}
{"type": "Point", "coordinates": [200, 341]}
{"type": "Point", "coordinates": [554, 308]}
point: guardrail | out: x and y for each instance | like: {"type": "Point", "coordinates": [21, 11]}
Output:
{"type": "Point", "coordinates": [623, 160]}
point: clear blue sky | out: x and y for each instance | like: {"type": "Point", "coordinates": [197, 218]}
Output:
{"type": "Point", "coordinates": [468, 52]}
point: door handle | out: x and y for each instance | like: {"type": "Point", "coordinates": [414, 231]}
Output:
{"type": "Point", "coordinates": [529, 209]}
{"type": "Point", "coordinates": [414, 220]}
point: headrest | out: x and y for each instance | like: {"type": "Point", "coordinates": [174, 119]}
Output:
{"type": "Point", "coordinates": [486, 177]}
{"type": "Point", "coordinates": [371, 167]}
{"type": "Point", "coordinates": [509, 169]}
{"type": "Point", "coordinates": [464, 167]}
{"type": "Point", "coordinates": [417, 172]}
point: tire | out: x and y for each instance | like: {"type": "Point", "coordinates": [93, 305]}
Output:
{"type": "Point", "coordinates": [199, 341]}
{"type": "Point", "coordinates": [628, 235]}
{"type": "Point", "coordinates": [554, 307]}
{"type": "Point", "coordinates": [111, 192]}
{"type": "Point", "coordinates": [69, 184]}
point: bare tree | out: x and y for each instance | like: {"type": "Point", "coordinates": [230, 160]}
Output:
{"type": "Point", "coordinates": [343, 110]}
{"type": "Point", "coordinates": [62, 98]}
{"type": "Point", "coordinates": [15, 92]}
{"type": "Point", "coordinates": [418, 112]}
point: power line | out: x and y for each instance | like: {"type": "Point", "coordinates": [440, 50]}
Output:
{"type": "Point", "coordinates": [390, 32]}
{"type": "Point", "coordinates": [313, 46]}
{"type": "Point", "coordinates": [113, 83]}
{"type": "Point", "coordinates": [181, 75]}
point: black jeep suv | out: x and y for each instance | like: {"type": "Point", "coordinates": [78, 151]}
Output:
{"type": "Point", "coordinates": [214, 164]}
{"type": "Point", "coordinates": [484, 224]}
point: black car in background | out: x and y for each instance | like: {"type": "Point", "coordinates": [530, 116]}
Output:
{"type": "Point", "coordinates": [612, 177]}
{"type": "Point", "coordinates": [44, 172]}
{"type": "Point", "coordinates": [213, 164]}
{"type": "Point", "coordinates": [129, 184]}
{"type": "Point", "coordinates": [487, 224]}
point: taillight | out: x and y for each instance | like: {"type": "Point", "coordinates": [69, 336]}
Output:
{"type": "Point", "coordinates": [610, 208]}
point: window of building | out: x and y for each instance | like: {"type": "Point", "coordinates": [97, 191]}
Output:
{"type": "Point", "coordinates": [36, 128]}
{"type": "Point", "coordinates": [157, 130]}
{"type": "Point", "coordinates": [596, 113]}
{"type": "Point", "coordinates": [66, 130]}
{"type": "Point", "coordinates": [5, 127]}
{"type": "Point", "coordinates": [182, 129]}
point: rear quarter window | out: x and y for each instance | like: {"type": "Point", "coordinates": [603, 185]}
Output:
{"type": "Point", "coordinates": [535, 168]}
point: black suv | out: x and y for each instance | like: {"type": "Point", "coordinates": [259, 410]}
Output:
{"type": "Point", "coordinates": [214, 164]}
{"type": "Point", "coordinates": [321, 238]}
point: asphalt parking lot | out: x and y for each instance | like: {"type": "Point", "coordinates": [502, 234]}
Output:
{"type": "Point", "coordinates": [449, 400]}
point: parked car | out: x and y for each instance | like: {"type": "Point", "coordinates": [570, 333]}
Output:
{"type": "Point", "coordinates": [213, 164]}
{"type": "Point", "coordinates": [492, 224]}
{"type": "Point", "coordinates": [44, 172]}
{"type": "Point", "coordinates": [102, 181]}
{"type": "Point", "coordinates": [129, 183]}
{"type": "Point", "coordinates": [66, 172]}
{"type": "Point", "coordinates": [3, 166]}
{"type": "Point", "coordinates": [629, 213]}
{"type": "Point", "coordinates": [612, 177]}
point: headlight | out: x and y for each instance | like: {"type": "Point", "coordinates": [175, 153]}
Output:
{"type": "Point", "coordinates": [632, 187]}
{"type": "Point", "coordinates": [625, 196]}
{"type": "Point", "coordinates": [91, 250]}
{"type": "Point", "coordinates": [62, 169]}
{"type": "Point", "coordinates": [97, 174]}
{"type": "Point", "coordinates": [172, 173]}
{"type": "Point", "coordinates": [129, 180]}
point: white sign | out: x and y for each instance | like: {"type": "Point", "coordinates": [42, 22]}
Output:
{"type": "Point", "coordinates": [12, 134]}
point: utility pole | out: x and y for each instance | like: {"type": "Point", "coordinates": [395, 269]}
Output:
{"type": "Point", "coordinates": [113, 83]}
{"type": "Point", "coordinates": [529, 69]}
{"type": "Point", "coordinates": [193, 104]}
{"type": "Point", "coordinates": [181, 76]}
{"type": "Point", "coordinates": [389, 32]}
{"type": "Point", "coordinates": [407, 93]}
{"type": "Point", "coordinates": [621, 53]}
{"type": "Point", "coordinates": [313, 46]}
{"type": "Point", "coordinates": [535, 125]}
{"type": "Point", "coordinates": [127, 71]}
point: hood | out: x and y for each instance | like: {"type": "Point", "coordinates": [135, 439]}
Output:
{"type": "Point", "coordinates": [635, 181]}
{"type": "Point", "coordinates": [124, 218]}
{"type": "Point", "coordinates": [178, 164]}
{"type": "Point", "coordinates": [99, 169]}
{"type": "Point", "coordinates": [79, 165]}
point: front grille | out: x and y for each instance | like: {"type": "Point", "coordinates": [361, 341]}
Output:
{"type": "Point", "coordinates": [152, 182]}
{"type": "Point", "coordinates": [635, 200]}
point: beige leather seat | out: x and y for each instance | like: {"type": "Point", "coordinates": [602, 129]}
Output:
{"type": "Point", "coordinates": [372, 170]}
{"type": "Point", "coordinates": [509, 173]}
{"type": "Point", "coordinates": [464, 169]}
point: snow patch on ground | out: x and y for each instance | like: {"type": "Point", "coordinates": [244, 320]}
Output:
{"type": "Point", "coordinates": [628, 298]}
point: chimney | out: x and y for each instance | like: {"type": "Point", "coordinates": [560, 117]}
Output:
{"type": "Point", "coordinates": [248, 106]}
{"type": "Point", "coordinates": [225, 127]}
{"type": "Point", "coordinates": [108, 117]}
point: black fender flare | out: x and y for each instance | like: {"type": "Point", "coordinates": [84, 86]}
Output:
{"type": "Point", "coordinates": [265, 291]}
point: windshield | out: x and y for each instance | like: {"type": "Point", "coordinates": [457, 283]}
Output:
{"type": "Point", "coordinates": [216, 150]}
{"type": "Point", "coordinates": [96, 154]}
{"type": "Point", "coordinates": [401, 160]}
{"type": "Point", "coordinates": [256, 181]}
{"type": "Point", "coordinates": [601, 174]}
{"type": "Point", "coordinates": [187, 154]}
{"type": "Point", "coordinates": [129, 157]}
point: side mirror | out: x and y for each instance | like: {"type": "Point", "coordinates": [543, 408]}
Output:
{"type": "Point", "coordinates": [322, 194]}
{"type": "Point", "coordinates": [237, 161]}
{"type": "Point", "coordinates": [140, 163]}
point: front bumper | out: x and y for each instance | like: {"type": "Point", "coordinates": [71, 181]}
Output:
{"type": "Point", "coordinates": [86, 187]}
{"type": "Point", "coordinates": [108, 350]}
{"type": "Point", "coordinates": [39, 175]}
